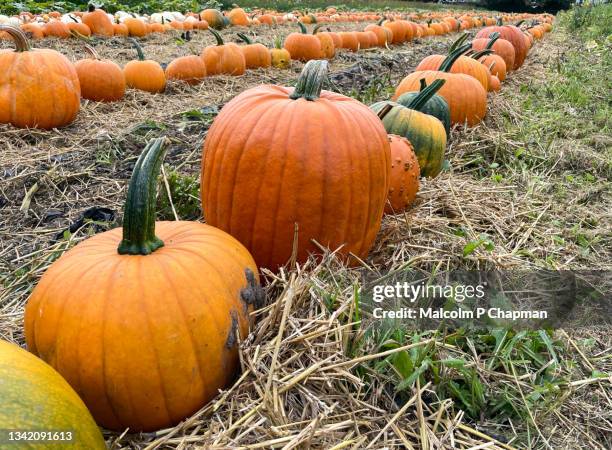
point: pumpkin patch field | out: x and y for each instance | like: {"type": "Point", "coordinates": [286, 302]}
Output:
{"type": "Point", "coordinates": [195, 205]}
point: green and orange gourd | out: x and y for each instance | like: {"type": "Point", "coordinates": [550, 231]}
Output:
{"type": "Point", "coordinates": [425, 132]}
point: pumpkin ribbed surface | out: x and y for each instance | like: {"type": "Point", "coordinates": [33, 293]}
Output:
{"type": "Point", "coordinates": [272, 162]}
{"type": "Point", "coordinates": [143, 339]}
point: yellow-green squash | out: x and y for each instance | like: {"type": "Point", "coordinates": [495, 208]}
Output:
{"type": "Point", "coordinates": [33, 396]}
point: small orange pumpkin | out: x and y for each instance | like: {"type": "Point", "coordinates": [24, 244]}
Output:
{"type": "Point", "coordinates": [223, 58]}
{"type": "Point", "coordinates": [255, 55]}
{"type": "Point", "coordinates": [404, 175]}
{"type": "Point", "coordinates": [101, 80]}
{"type": "Point", "coordinates": [303, 46]}
{"type": "Point", "coordinates": [144, 74]}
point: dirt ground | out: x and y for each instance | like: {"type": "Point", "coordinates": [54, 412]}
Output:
{"type": "Point", "coordinates": [49, 179]}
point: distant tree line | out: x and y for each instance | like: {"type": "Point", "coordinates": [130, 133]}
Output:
{"type": "Point", "coordinates": [527, 5]}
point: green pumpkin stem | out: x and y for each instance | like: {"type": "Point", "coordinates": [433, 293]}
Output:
{"type": "Point", "coordinates": [425, 94]}
{"type": "Point", "coordinates": [422, 83]}
{"type": "Point", "coordinates": [500, 21]}
{"type": "Point", "coordinates": [481, 53]}
{"type": "Point", "coordinates": [459, 42]}
{"type": "Point", "coordinates": [91, 7]}
{"type": "Point", "coordinates": [519, 23]}
{"type": "Point", "coordinates": [92, 51]}
{"type": "Point", "coordinates": [380, 22]}
{"type": "Point", "coordinates": [19, 37]}
{"type": "Point", "coordinates": [217, 36]}
{"type": "Point", "coordinates": [303, 28]}
{"type": "Point", "coordinates": [245, 38]}
{"type": "Point", "coordinates": [139, 213]}
{"type": "Point", "coordinates": [139, 51]}
{"type": "Point", "coordinates": [278, 42]}
{"type": "Point", "coordinates": [494, 37]}
{"type": "Point", "coordinates": [310, 81]}
{"type": "Point", "coordinates": [316, 28]}
{"type": "Point", "coordinates": [450, 59]}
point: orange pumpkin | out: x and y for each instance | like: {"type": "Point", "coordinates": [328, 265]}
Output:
{"type": "Point", "coordinates": [33, 31]}
{"type": "Point", "coordinates": [98, 22]}
{"type": "Point", "coordinates": [121, 29]}
{"type": "Point", "coordinates": [237, 16]}
{"type": "Point", "coordinates": [466, 98]}
{"type": "Point", "coordinates": [501, 47]}
{"type": "Point", "coordinates": [213, 17]}
{"type": "Point", "coordinates": [349, 40]}
{"type": "Point", "coordinates": [512, 34]}
{"type": "Point", "coordinates": [383, 35]}
{"type": "Point", "coordinates": [190, 69]}
{"type": "Point", "coordinates": [276, 174]}
{"type": "Point", "coordinates": [255, 55]}
{"type": "Point", "coordinates": [136, 27]}
{"type": "Point", "coordinates": [101, 80]}
{"type": "Point", "coordinates": [56, 28]}
{"type": "Point", "coordinates": [328, 49]}
{"type": "Point", "coordinates": [151, 321]}
{"type": "Point", "coordinates": [78, 27]}
{"type": "Point", "coordinates": [40, 87]}
{"type": "Point", "coordinates": [303, 46]}
{"type": "Point", "coordinates": [405, 172]}
{"type": "Point", "coordinates": [144, 74]}
{"type": "Point", "coordinates": [223, 58]}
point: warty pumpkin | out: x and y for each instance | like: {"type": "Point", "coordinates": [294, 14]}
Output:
{"type": "Point", "coordinates": [303, 46]}
{"type": "Point", "coordinates": [466, 98]}
{"type": "Point", "coordinates": [223, 58]}
{"type": "Point", "coordinates": [98, 22]}
{"type": "Point", "coordinates": [280, 57]}
{"type": "Point", "coordinates": [190, 69]}
{"type": "Point", "coordinates": [435, 106]}
{"type": "Point", "coordinates": [144, 74]}
{"type": "Point", "coordinates": [426, 133]}
{"type": "Point", "coordinates": [33, 396]}
{"type": "Point", "coordinates": [101, 80]}
{"type": "Point", "coordinates": [39, 88]}
{"type": "Point", "coordinates": [283, 167]}
{"type": "Point", "coordinates": [405, 171]}
{"type": "Point", "coordinates": [255, 54]}
{"type": "Point", "coordinates": [150, 313]}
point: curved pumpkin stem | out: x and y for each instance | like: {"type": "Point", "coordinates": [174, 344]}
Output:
{"type": "Point", "coordinates": [74, 19]}
{"type": "Point", "coordinates": [425, 94]}
{"type": "Point", "coordinates": [278, 43]}
{"type": "Point", "coordinates": [494, 37]}
{"type": "Point", "coordinates": [500, 21]}
{"type": "Point", "coordinates": [91, 8]}
{"type": "Point", "coordinates": [303, 28]}
{"type": "Point", "coordinates": [139, 213]}
{"type": "Point", "coordinates": [481, 53]}
{"type": "Point", "coordinates": [217, 36]}
{"type": "Point", "coordinates": [422, 83]}
{"type": "Point", "coordinates": [450, 59]}
{"type": "Point", "coordinates": [310, 81]}
{"type": "Point", "coordinates": [92, 51]}
{"type": "Point", "coordinates": [317, 27]}
{"type": "Point", "coordinates": [141, 55]}
{"type": "Point", "coordinates": [380, 22]}
{"type": "Point", "coordinates": [19, 37]}
{"type": "Point", "coordinates": [459, 42]}
{"type": "Point", "coordinates": [245, 38]}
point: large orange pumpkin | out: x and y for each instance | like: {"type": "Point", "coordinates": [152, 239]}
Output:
{"type": "Point", "coordinates": [56, 28]}
{"type": "Point", "coordinates": [466, 98]}
{"type": "Point", "coordinates": [101, 80]}
{"type": "Point", "coordinates": [223, 58]}
{"type": "Point", "coordinates": [283, 167]}
{"type": "Point", "coordinates": [98, 22]}
{"type": "Point", "coordinates": [237, 16]}
{"type": "Point", "coordinates": [39, 88]}
{"type": "Point", "coordinates": [145, 327]}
